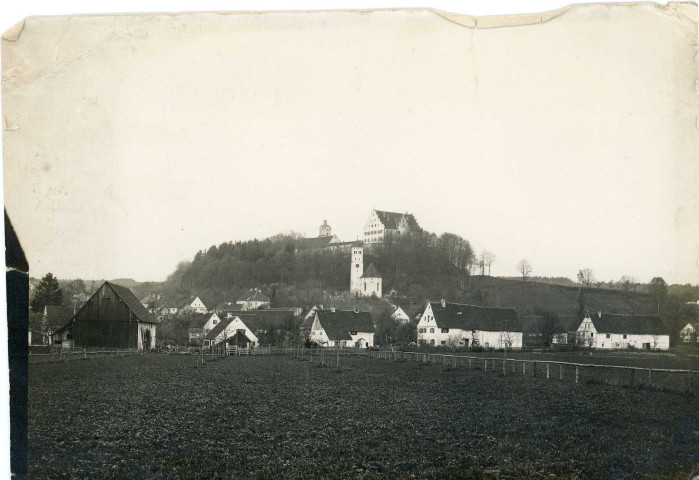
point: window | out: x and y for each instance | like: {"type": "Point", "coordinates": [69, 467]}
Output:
{"type": "Point", "coordinates": [444, 342]}
{"type": "Point", "coordinates": [215, 321]}
{"type": "Point", "coordinates": [432, 342]}
{"type": "Point", "coordinates": [624, 336]}
{"type": "Point", "coordinates": [607, 335]}
{"type": "Point", "coordinates": [592, 334]}
{"type": "Point", "coordinates": [445, 330]}
{"type": "Point", "coordinates": [353, 332]}
{"type": "Point", "coordinates": [431, 330]}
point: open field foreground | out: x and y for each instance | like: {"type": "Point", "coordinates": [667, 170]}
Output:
{"type": "Point", "coordinates": [160, 416]}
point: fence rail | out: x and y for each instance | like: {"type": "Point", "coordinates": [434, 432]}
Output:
{"type": "Point", "coordinates": [657, 378]}
{"type": "Point", "coordinates": [69, 354]}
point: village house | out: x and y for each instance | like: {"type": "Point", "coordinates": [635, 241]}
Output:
{"type": "Point", "coordinates": [690, 333]}
{"type": "Point", "coordinates": [611, 331]}
{"type": "Point", "coordinates": [363, 283]}
{"type": "Point", "coordinates": [194, 306]}
{"type": "Point", "coordinates": [345, 328]}
{"type": "Point", "coordinates": [200, 324]}
{"type": "Point", "coordinates": [54, 318]}
{"type": "Point", "coordinates": [253, 299]}
{"type": "Point", "coordinates": [233, 331]}
{"type": "Point", "coordinates": [400, 316]}
{"type": "Point", "coordinates": [462, 325]}
{"type": "Point", "coordinates": [380, 224]}
{"type": "Point", "coordinates": [112, 318]}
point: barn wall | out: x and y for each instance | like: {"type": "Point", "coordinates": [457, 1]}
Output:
{"type": "Point", "coordinates": [105, 321]}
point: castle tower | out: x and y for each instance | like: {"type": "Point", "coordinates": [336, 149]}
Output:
{"type": "Point", "coordinates": [356, 270]}
{"type": "Point", "coordinates": [325, 230]}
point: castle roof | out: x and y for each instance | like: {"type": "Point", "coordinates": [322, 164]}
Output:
{"type": "Point", "coordinates": [391, 220]}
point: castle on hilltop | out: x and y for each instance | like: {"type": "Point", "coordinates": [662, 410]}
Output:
{"type": "Point", "coordinates": [380, 224]}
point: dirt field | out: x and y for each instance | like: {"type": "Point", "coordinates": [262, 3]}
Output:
{"type": "Point", "coordinates": [266, 417]}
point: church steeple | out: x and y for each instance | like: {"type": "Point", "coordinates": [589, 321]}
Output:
{"type": "Point", "coordinates": [325, 230]}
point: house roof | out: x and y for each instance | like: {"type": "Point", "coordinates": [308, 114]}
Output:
{"type": "Point", "coordinates": [198, 320]}
{"type": "Point", "coordinates": [214, 332]}
{"type": "Point", "coordinates": [392, 220]}
{"type": "Point", "coordinates": [254, 295]}
{"type": "Point", "coordinates": [239, 337]}
{"type": "Point", "coordinates": [314, 243]}
{"type": "Point", "coordinates": [257, 320]}
{"type": "Point", "coordinates": [137, 308]}
{"type": "Point", "coordinates": [629, 324]}
{"type": "Point", "coordinates": [473, 317]}
{"type": "Point", "coordinates": [57, 316]}
{"type": "Point", "coordinates": [340, 323]}
{"type": "Point", "coordinates": [371, 272]}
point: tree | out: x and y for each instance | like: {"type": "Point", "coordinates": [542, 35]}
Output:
{"type": "Point", "coordinates": [627, 283]}
{"type": "Point", "coordinates": [524, 268]}
{"type": "Point", "coordinates": [658, 288]}
{"type": "Point", "coordinates": [487, 259]}
{"type": "Point", "coordinates": [548, 325]}
{"type": "Point", "coordinates": [675, 315]}
{"type": "Point", "coordinates": [48, 292]}
{"type": "Point", "coordinates": [586, 277]}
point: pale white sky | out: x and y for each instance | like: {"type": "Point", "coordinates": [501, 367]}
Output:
{"type": "Point", "coordinates": [140, 141]}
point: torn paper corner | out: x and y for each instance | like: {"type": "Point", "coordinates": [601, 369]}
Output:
{"type": "Point", "coordinates": [13, 33]}
{"type": "Point", "coordinates": [683, 10]}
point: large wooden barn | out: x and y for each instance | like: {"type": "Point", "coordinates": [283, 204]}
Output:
{"type": "Point", "coordinates": [112, 318]}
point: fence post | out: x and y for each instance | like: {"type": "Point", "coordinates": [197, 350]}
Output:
{"type": "Point", "coordinates": [577, 374]}
{"type": "Point", "coordinates": [469, 363]}
{"type": "Point", "coordinates": [524, 367]}
{"type": "Point", "coordinates": [534, 369]}
{"type": "Point", "coordinates": [650, 380]}
{"type": "Point", "coordinates": [548, 371]}
{"type": "Point", "coordinates": [689, 381]}
{"type": "Point", "coordinates": [513, 365]}
{"type": "Point", "coordinates": [560, 371]}
{"type": "Point", "coordinates": [485, 365]}
{"type": "Point", "coordinates": [453, 357]}
{"type": "Point", "coordinates": [632, 380]}
{"type": "Point", "coordinates": [85, 353]}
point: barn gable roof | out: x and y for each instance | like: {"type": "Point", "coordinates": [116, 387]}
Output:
{"type": "Point", "coordinates": [392, 220]}
{"type": "Point", "coordinates": [339, 323]}
{"type": "Point", "coordinates": [629, 324]}
{"type": "Point", "coordinates": [57, 316]}
{"type": "Point", "coordinates": [473, 317]}
{"type": "Point", "coordinates": [136, 307]}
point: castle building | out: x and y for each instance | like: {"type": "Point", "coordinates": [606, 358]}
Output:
{"type": "Point", "coordinates": [380, 224]}
{"type": "Point", "coordinates": [363, 283]}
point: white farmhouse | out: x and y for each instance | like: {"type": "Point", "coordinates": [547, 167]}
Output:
{"type": "Point", "coordinates": [609, 331]}
{"type": "Point", "coordinates": [253, 299]}
{"type": "Point", "coordinates": [345, 328]}
{"type": "Point", "coordinates": [400, 315]}
{"type": "Point", "coordinates": [232, 331]}
{"type": "Point", "coordinates": [462, 325]}
{"type": "Point", "coordinates": [195, 306]}
{"type": "Point", "coordinates": [201, 324]}
{"type": "Point", "coordinates": [690, 333]}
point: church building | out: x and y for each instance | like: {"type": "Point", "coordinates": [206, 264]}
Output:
{"type": "Point", "coordinates": [363, 283]}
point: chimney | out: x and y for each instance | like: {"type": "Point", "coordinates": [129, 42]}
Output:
{"type": "Point", "coordinates": [356, 309]}
{"type": "Point", "coordinates": [332, 309]}
{"type": "Point", "coordinates": [599, 313]}
{"type": "Point", "coordinates": [444, 302]}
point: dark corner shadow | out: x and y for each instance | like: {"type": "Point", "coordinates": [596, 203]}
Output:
{"type": "Point", "coordinates": [17, 284]}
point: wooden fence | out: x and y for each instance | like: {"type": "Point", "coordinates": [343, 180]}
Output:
{"type": "Point", "coordinates": [655, 378]}
{"type": "Point", "coordinates": [80, 354]}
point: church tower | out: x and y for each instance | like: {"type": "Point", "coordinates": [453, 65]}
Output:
{"type": "Point", "coordinates": [356, 270]}
{"type": "Point", "coordinates": [325, 230]}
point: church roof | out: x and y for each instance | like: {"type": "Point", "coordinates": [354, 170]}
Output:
{"type": "Point", "coordinates": [391, 220]}
{"type": "Point", "coordinates": [371, 272]}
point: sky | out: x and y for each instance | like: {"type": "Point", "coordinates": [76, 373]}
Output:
{"type": "Point", "coordinates": [131, 143]}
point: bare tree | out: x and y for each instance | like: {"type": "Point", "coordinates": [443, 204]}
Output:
{"type": "Point", "coordinates": [488, 258]}
{"type": "Point", "coordinates": [627, 283]}
{"type": "Point", "coordinates": [586, 277]}
{"type": "Point", "coordinates": [524, 268]}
